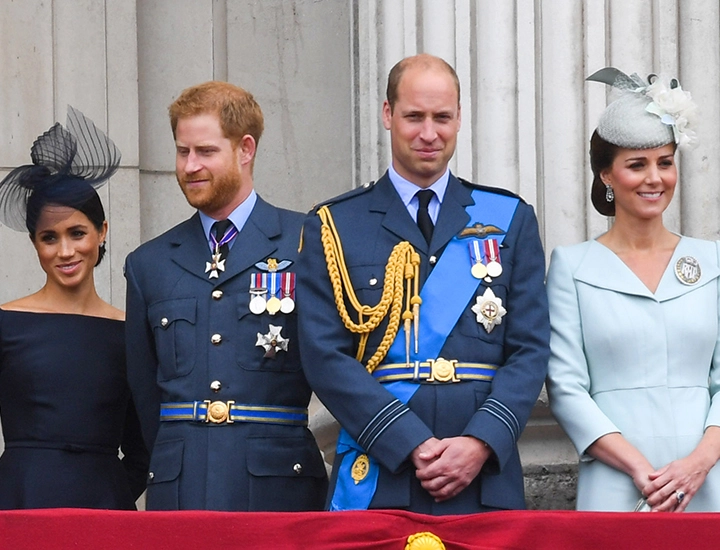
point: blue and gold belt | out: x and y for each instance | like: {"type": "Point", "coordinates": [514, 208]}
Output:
{"type": "Point", "coordinates": [228, 412]}
{"type": "Point", "coordinates": [434, 371]}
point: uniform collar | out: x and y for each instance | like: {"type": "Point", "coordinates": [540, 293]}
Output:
{"type": "Point", "coordinates": [238, 217]}
{"type": "Point", "coordinates": [407, 189]}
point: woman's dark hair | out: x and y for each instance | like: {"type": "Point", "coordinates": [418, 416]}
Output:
{"type": "Point", "coordinates": [602, 155]}
{"type": "Point", "coordinates": [71, 192]}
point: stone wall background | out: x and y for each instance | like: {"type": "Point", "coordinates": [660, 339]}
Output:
{"type": "Point", "coordinates": [318, 69]}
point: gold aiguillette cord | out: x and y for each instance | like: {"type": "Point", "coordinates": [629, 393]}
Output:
{"type": "Point", "coordinates": [403, 264]}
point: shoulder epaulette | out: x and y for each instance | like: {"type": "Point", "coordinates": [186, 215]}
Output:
{"type": "Point", "coordinates": [365, 187]}
{"type": "Point", "coordinates": [490, 189]}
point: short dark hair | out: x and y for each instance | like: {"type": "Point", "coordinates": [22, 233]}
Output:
{"type": "Point", "coordinates": [425, 60]}
{"type": "Point", "coordinates": [71, 192]}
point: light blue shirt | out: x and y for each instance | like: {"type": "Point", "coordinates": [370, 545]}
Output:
{"type": "Point", "coordinates": [407, 190]}
{"type": "Point", "coordinates": [238, 216]}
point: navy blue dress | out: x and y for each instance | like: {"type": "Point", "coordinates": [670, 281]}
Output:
{"type": "Point", "coordinates": [65, 409]}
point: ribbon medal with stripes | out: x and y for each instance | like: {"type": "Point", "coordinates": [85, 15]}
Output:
{"type": "Point", "coordinates": [258, 292]}
{"type": "Point", "coordinates": [272, 291]}
{"type": "Point", "coordinates": [485, 259]}
{"type": "Point", "coordinates": [478, 269]}
{"type": "Point", "coordinates": [287, 285]}
{"type": "Point", "coordinates": [273, 303]}
{"type": "Point", "coordinates": [492, 259]}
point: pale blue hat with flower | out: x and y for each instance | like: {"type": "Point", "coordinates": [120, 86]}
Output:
{"type": "Point", "coordinates": [647, 114]}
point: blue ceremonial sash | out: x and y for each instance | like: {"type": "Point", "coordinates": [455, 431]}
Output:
{"type": "Point", "coordinates": [349, 495]}
{"type": "Point", "coordinates": [448, 289]}
{"type": "Point", "coordinates": [439, 313]}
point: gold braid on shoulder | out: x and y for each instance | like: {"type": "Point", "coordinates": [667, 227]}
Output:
{"type": "Point", "coordinates": [401, 280]}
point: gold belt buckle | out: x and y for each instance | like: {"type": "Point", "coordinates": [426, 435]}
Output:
{"type": "Point", "coordinates": [442, 370]}
{"type": "Point", "coordinates": [218, 412]}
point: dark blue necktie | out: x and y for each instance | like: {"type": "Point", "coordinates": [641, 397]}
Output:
{"type": "Point", "coordinates": [424, 220]}
{"type": "Point", "coordinates": [219, 229]}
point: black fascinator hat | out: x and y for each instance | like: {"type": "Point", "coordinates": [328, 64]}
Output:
{"type": "Point", "coordinates": [68, 165]}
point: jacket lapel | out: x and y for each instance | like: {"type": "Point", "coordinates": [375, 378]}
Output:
{"type": "Point", "coordinates": [453, 217]}
{"type": "Point", "coordinates": [396, 218]}
{"type": "Point", "coordinates": [253, 244]}
{"type": "Point", "coordinates": [191, 250]}
{"type": "Point", "coordinates": [603, 269]}
{"type": "Point", "coordinates": [704, 252]}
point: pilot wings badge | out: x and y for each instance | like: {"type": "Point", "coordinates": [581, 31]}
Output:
{"type": "Point", "coordinates": [480, 231]}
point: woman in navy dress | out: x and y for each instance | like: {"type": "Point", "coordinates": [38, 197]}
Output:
{"type": "Point", "coordinates": [64, 402]}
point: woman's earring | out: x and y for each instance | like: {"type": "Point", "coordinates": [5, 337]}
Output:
{"type": "Point", "coordinates": [609, 194]}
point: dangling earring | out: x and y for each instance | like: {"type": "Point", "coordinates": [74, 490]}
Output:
{"type": "Point", "coordinates": [609, 194]}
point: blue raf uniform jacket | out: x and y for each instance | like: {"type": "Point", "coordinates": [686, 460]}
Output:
{"type": "Point", "coordinates": [173, 311]}
{"type": "Point", "coordinates": [370, 223]}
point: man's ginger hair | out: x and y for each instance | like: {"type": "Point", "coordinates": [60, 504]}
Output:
{"type": "Point", "coordinates": [236, 108]}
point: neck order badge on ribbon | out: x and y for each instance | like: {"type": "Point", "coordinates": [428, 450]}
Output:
{"type": "Point", "coordinates": [218, 262]}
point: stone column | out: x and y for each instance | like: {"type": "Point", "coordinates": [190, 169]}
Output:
{"type": "Point", "coordinates": [84, 54]}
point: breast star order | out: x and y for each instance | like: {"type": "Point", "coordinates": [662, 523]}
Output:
{"type": "Point", "coordinates": [272, 342]}
{"type": "Point", "coordinates": [489, 310]}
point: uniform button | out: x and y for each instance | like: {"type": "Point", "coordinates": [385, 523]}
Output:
{"type": "Point", "coordinates": [151, 475]}
{"type": "Point", "coordinates": [373, 281]}
{"type": "Point", "coordinates": [432, 260]}
{"type": "Point", "coordinates": [164, 322]}
{"type": "Point", "coordinates": [216, 339]}
{"type": "Point", "coordinates": [217, 294]}
{"type": "Point", "coordinates": [215, 385]}
{"type": "Point", "coordinates": [298, 468]}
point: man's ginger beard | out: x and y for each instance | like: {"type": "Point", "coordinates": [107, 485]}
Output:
{"type": "Point", "coordinates": [218, 193]}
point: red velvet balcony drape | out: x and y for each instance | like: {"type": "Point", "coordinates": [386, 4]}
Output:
{"type": "Point", "coordinates": [376, 530]}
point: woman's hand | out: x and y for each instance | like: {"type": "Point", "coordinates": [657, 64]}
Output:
{"type": "Point", "coordinates": [641, 476]}
{"type": "Point", "coordinates": [673, 486]}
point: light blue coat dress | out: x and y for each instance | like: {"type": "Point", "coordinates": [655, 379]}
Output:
{"type": "Point", "coordinates": [626, 360]}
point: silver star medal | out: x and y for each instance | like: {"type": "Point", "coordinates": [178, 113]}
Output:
{"type": "Point", "coordinates": [272, 342]}
{"type": "Point", "coordinates": [216, 265]}
{"type": "Point", "coordinates": [489, 310]}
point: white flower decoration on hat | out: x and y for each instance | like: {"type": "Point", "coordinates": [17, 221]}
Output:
{"type": "Point", "coordinates": [648, 113]}
{"type": "Point", "coordinates": [675, 108]}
